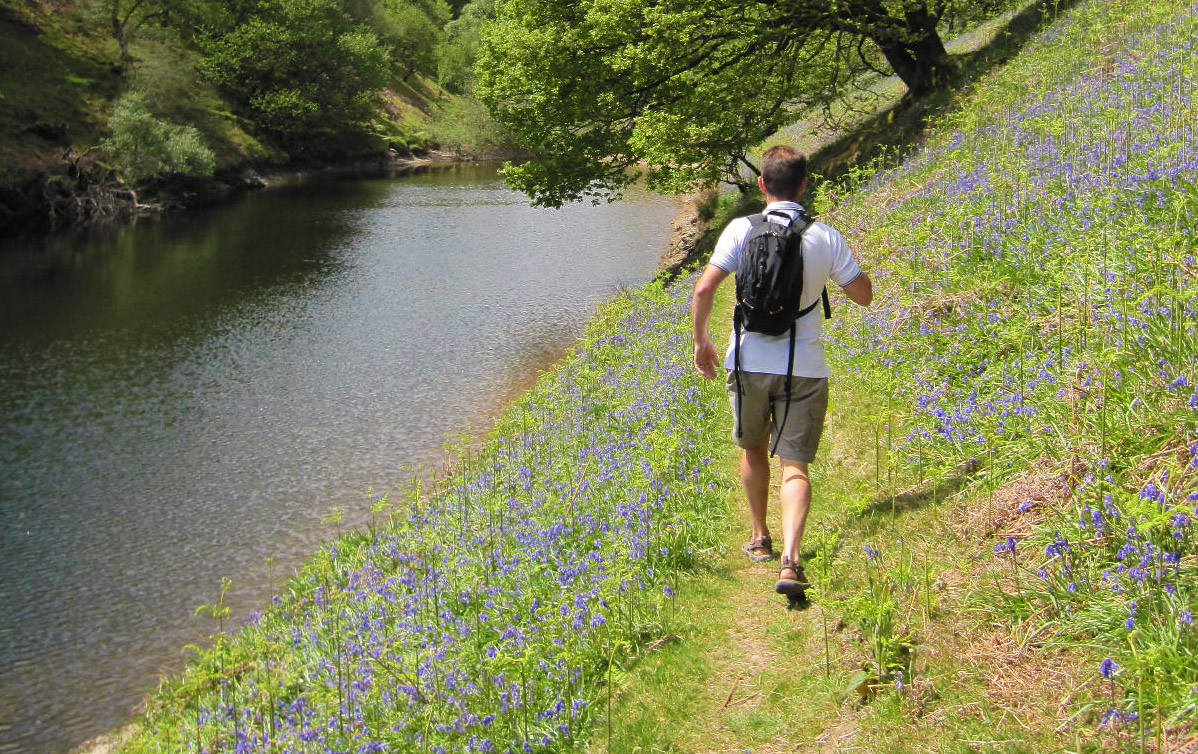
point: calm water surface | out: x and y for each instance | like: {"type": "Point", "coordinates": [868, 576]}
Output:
{"type": "Point", "coordinates": [181, 400]}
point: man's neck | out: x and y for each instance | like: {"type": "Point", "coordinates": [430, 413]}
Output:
{"type": "Point", "coordinates": [769, 199]}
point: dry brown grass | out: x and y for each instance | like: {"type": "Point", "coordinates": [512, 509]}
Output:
{"type": "Point", "coordinates": [1039, 491]}
{"type": "Point", "coordinates": [842, 733]}
{"type": "Point", "coordinates": [940, 304]}
{"type": "Point", "coordinates": [1036, 686]}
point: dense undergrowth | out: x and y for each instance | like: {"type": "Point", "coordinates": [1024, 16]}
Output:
{"type": "Point", "coordinates": [64, 73]}
{"type": "Point", "coordinates": [1039, 320]}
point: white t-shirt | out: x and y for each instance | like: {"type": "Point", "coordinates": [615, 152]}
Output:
{"type": "Point", "coordinates": [826, 257]}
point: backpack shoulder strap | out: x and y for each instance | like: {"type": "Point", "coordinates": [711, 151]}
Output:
{"type": "Point", "coordinates": [783, 214]}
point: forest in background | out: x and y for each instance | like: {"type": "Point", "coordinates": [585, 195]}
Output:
{"type": "Point", "coordinates": [101, 99]}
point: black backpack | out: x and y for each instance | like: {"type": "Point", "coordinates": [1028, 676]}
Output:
{"type": "Point", "coordinates": [769, 284]}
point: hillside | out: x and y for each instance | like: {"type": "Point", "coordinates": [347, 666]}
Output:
{"type": "Point", "coordinates": [62, 74]}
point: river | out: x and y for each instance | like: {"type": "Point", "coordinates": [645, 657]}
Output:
{"type": "Point", "coordinates": [182, 399]}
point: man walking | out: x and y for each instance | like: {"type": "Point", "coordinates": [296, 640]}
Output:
{"type": "Point", "coordinates": [759, 392]}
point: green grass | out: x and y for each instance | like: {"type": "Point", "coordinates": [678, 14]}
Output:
{"type": "Point", "coordinates": [54, 93]}
{"type": "Point", "coordinates": [60, 83]}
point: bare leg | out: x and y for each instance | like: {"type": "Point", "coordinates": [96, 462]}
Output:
{"type": "Point", "coordinates": [796, 502]}
{"type": "Point", "coordinates": [755, 475]}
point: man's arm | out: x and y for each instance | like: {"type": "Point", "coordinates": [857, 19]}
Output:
{"type": "Point", "coordinates": [701, 304]}
{"type": "Point", "coordinates": [861, 290]}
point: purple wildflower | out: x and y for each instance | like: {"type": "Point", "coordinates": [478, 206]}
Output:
{"type": "Point", "coordinates": [1108, 668]}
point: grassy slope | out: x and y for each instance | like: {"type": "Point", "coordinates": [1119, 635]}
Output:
{"type": "Point", "coordinates": [982, 368]}
{"type": "Point", "coordinates": [485, 615]}
{"type": "Point", "coordinates": [54, 91]}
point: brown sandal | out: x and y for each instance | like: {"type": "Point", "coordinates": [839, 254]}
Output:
{"type": "Point", "coordinates": [758, 550]}
{"type": "Point", "coordinates": [791, 580]}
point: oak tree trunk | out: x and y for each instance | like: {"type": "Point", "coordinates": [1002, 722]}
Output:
{"type": "Point", "coordinates": [918, 56]}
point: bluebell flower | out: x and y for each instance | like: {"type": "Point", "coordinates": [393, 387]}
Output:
{"type": "Point", "coordinates": [1058, 547]}
{"type": "Point", "coordinates": [1108, 668]}
{"type": "Point", "coordinates": [1153, 493]}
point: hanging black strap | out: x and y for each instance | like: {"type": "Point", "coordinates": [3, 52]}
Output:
{"type": "Point", "coordinates": [827, 306]}
{"type": "Point", "coordinates": [790, 361]}
{"type": "Point", "coordinates": [736, 365]}
{"type": "Point", "coordinates": [790, 365]}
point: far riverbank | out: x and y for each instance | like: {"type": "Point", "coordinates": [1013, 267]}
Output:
{"type": "Point", "coordinates": [82, 194]}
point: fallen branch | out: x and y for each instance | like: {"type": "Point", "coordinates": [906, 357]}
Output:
{"type": "Point", "coordinates": [728, 698]}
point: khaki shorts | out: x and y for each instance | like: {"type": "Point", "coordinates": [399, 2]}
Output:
{"type": "Point", "coordinates": [763, 405]}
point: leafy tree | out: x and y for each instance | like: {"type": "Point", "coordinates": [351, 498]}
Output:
{"type": "Point", "coordinates": [304, 70]}
{"type": "Point", "coordinates": [126, 17]}
{"type": "Point", "coordinates": [413, 31]}
{"type": "Point", "coordinates": [144, 147]}
{"type": "Point", "coordinates": [459, 49]}
{"type": "Point", "coordinates": [593, 87]}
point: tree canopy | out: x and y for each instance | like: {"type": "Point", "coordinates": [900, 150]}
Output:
{"type": "Point", "coordinates": [305, 70]}
{"type": "Point", "coordinates": [593, 87]}
{"type": "Point", "coordinates": [455, 65]}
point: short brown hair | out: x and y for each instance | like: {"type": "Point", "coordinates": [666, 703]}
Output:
{"type": "Point", "coordinates": [783, 169]}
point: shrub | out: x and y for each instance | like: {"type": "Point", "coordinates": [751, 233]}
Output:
{"type": "Point", "coordinates": [463, 124]}
{"type": "Point", "coordinates": [144, 147]}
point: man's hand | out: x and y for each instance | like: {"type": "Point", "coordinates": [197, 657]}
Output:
{"type": "Point", "coordinates": [705, 358]}
{"type": "Point", "coordinates": [701, 302]}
